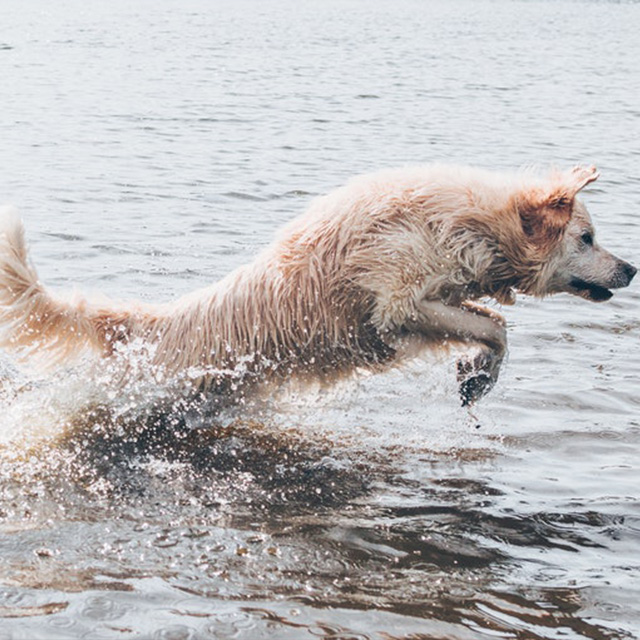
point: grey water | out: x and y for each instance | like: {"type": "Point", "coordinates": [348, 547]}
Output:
{"type": "Point", "coordinates": [154, 146]}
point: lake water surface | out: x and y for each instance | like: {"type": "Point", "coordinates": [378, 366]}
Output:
{"type": "Point", "coordinates": [154, 146]}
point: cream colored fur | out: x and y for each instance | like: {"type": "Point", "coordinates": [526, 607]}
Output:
{"type": "Point", "coordinates": [394, 253]}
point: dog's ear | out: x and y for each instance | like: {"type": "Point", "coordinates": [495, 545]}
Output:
{"type": "Point", "coordinates": [563, 187]}
{"type": "Point", "coordinates": [545, 212]}
{"type": "Point", "coordinates": [566, 185]}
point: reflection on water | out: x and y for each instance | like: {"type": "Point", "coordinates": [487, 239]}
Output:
{"type": "Point", "coordinates": [155, 147]}
{"type": "Point", "coordinates": [120, 517]}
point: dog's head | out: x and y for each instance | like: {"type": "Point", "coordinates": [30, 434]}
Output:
{"type": "Point", "coordinates": [560, 233]}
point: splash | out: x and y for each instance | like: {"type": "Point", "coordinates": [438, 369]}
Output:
{"type": "Point", "coordinates": [412, 401]}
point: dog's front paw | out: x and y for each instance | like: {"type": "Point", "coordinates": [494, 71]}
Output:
{"type": "Point", "coordinates": [473, 388]}
{"type": "Point", "coordinates": [477, 375]}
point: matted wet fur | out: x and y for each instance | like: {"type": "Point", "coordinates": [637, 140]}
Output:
{"type": "Point", "coordinates": [399, 253]}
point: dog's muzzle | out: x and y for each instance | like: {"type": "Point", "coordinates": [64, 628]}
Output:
{"type": "Point", "coordinates": [599, 291]}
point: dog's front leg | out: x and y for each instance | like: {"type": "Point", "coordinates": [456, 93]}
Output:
{"type": "Point", "coordinates": [470, 323]}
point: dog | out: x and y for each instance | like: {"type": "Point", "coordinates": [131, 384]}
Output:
{"type": "Point", "coordinates": [397, 254]}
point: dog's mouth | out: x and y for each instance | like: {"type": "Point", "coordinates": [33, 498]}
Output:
{"type": "Point", "coordinates": [589, 290]}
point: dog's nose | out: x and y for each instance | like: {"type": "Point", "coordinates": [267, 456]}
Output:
{"type": "Point", "coordinates": [623, 274]}
{"type": "Point", "coordinates": [629, 271]}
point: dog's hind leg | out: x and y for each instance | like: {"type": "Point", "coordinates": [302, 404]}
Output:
{"type": "Point", "coordinates": [472, 324]}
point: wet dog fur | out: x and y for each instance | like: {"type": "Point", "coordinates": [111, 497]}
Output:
{"type": "Point", "coordinates": [399, 253]}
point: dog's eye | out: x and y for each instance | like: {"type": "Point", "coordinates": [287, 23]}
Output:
{"type": "Point", "coordinates": [587, 238]}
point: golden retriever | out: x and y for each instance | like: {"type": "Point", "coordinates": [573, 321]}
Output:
{"type": "Point", "coordinates": [403, 252]}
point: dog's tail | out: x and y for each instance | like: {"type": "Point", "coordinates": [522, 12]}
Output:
{"type": "Point", "coordinates": [37, 325]}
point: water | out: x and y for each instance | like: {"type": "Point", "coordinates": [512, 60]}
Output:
{"type": "Point", "coordinates": [154, 146]}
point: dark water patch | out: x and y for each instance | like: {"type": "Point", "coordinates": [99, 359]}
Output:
{"type": "Point", "coordinates": [271, 470]}
{"type": "Point", "coordinates": [65, 236]}
{"type": "Point", "coordinates": [114, 250]}
{"type": "Point", "coordinates": [245, 196]}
